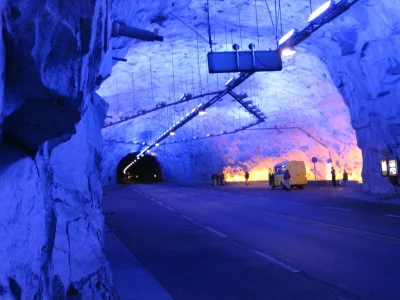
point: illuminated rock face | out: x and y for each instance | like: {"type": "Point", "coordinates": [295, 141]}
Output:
{"type": "Point", "coordinates": [337, 95]}
{"type": "Point", "coordinates": [363, 60]}
{"type": "Point", "coordinates": [306, 115]}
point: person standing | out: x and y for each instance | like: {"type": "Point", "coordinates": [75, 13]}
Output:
{"type": "Point", "coordinates": [247, 176]}
{"type": "Point", "coordinates": [214, 179]}
{"type": "Point", "coordinates": [333, 173]}
{"type": "Point", "coordinates": [345, 178]}
{"type": "Point", "coordinates": [286, 179]}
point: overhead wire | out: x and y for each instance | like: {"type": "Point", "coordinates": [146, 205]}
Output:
{"type": "Point", "coordinates": [272, 21]}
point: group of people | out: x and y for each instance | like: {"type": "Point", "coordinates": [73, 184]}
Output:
{"type": "Point", "coordinates": [218, 178]}
{"type": "Point", "coordinates": [342, 182]}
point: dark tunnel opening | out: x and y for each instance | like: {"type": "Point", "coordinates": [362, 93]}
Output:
{"type": "Point", "coordinates": [144, 170]}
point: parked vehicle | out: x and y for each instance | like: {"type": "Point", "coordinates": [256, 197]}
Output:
{"type": "Point", "coordinates": [297, 171]}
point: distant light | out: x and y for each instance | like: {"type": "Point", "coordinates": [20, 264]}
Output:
{"type": "Point", "coordinates": [288, 52]}
{"type": "Point", "coordinates": [195, 137]}
{"type": "Point", "coordinates": [143, 143]}
{"type": "Point", "coordinates": [172, 133]}
{"type": "Point", "coordinates": [155, 175]}
{"type": "Point", "coordinates": [318, 12]}
{"type": "Point", "coordinates": [157, 144]}
{"type": "Point", "coordinates": [287, 36]}
{"type": "Point", "coordinates": [148, 151]}
{"type": "Point", "coordinates": [142, 155]}
{"type": "Point", "coordinates": [209, 134]}
{"type": "Point", "coordinates": [137, 176]}
{"type": "Point", "coordinates": [183, 97]}
{"type": "Point", "coordinates": [202, 112]}
{"type": "Point", "coordinates": [221, 132]}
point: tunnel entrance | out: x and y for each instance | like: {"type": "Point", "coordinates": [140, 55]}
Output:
{"type": "Point", "coordinates": [144, 170]}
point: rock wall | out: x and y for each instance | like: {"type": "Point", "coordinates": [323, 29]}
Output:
{"type": "Point", "coordinates": [2, 70]}
{"type": "Point", "coordinates": [51, 220]}
{"type": "Point", "coordinates": [363, 60]}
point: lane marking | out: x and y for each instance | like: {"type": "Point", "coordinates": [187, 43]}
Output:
{"type": "Point", "coordinates": [186, 217]}
{"type": "Point", "coordinates": [294, 202]}
{"type": "Point", "coordinates": [326, 225]}
{"type": "Point", "coordinates": [216, 232]}
{"type": "Point", "coordinates": [263, 198]}
{"type": "Point", "coordinates": [152, 199]}
{"type": "Point", "coordinates": [159, 202]}
{"type": "Point", "coordinates": [393, 216]}
{"type": "Point", "coordinates": [240, 195]}
{"type": "Point", "coordinates": [337, 208]}
{"type": "Point", "coordinates": [276, 261]}
{"type": "Point", "coordinates": [170, 208]}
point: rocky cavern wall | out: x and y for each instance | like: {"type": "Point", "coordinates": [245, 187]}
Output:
{"type": "Point", "coordinates": [363, 60]}
{"type": "Point", "coordinates": [51, 220]}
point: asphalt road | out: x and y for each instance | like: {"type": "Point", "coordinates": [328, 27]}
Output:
{"type": "Point", "coordinates": [257, 243]}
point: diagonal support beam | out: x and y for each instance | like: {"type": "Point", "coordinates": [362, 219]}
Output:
{"type": "Point", "coordinates": [254, 110]}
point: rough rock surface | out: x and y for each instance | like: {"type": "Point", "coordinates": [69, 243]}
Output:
{"type": "Point", "coordinates": [306, 114]}
{"type": "Point", "coordinates": [363, 60]}
{"type": "Point", "coordinates": [51, 220]}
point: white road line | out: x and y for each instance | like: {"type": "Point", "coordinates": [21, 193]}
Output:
{"type": "Point", "coordinates": [152, 199]}
{"type": "Point", "coordinates": [241, 195]}
{"type": "Point", "coordinates": [263, 198]}
{"type": "Point", "coordinates": [294, 202]}
{"type": "Point", "coordinates": [216, 232]}
{"type": "Point", "coordinates": [393, 216]}
{"type": "Point", "coordinates": [170, 208]}
{"type": "Point", "coordinates": [159, 202]}
{"type": "Point", "coordinates": [276, 261]}
{"type": "Point", "coordinates": [337, 208]}
{"type": "Point", "coordinates": [186, 217]}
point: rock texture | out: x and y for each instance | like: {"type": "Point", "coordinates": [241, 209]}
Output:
{"type": "Point", "coordinates": [51, 219]}
{"type": "Point", "coordinates": [306, 114]}
{"type": "Point", "coordinates": [363, 60]}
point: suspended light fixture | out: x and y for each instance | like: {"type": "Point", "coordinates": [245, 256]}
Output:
{"type": "Point", "coordinates": [287, 36]}
{"type": "Point", "coordinates": [289, 51]}
{"type": "Point", "coordinates": [323, 8]}
{"type": "Point", "coordinates": [202, 112]}
{"type": "Point", "coordinates": [157, 144]}
{"type": "Point", "coordinates": [228, 83]}
{"type": "Point", "coordinates": [172, 133]}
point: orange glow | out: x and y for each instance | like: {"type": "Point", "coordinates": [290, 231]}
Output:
{"type": "Point", "coordinates": [258, 167]}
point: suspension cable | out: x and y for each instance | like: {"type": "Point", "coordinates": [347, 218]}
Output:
{"type": "Point", "coordinates": [258, 34]}
{"type": "Point", "coordinates": [272, 21]}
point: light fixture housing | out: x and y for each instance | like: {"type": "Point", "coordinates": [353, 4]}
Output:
{"type": "Point", "coordinates": [287, 36]}
{"type": "Point", "coordinates": [320, 10]}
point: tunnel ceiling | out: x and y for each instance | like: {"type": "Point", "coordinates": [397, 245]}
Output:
{"type": "Point", "coordinates": [304, 105]}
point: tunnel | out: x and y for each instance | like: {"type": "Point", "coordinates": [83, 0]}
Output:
{"type": "Point", "coordinates": [133, 170]}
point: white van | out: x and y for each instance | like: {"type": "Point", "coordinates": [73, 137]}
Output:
{"type": "Point", "coordinates": [297, 171]}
